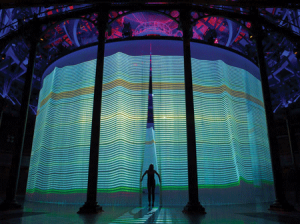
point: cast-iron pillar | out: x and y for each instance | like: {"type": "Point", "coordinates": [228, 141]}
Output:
{"type": "Point", "coordinates": [280, 201]}
{"type": "Point", "coordinates": [91, 204]}
{"type": "Point", "coordinates": [12, 186]}
{"type": "Point", "coordinates": [291, 136]}
{"type": "Point", "coordinates": [193, 204]}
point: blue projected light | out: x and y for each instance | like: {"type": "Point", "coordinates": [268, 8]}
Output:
{"type": "Point", "coordinates": [232, 148]}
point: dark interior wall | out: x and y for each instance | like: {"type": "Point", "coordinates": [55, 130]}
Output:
{"type": "Point", "coordinates": [288, 155]}
{"type": "Point", "coordinates": [8, 133]}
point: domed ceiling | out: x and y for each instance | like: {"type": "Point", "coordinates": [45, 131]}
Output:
{"type": "Point", "coordinates": [70, 27]}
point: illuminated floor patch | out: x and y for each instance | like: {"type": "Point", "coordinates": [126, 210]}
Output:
{"type": "Point", "coordinates": [139, 215]}
{"type": "Point", "coordinates": [65, 214]}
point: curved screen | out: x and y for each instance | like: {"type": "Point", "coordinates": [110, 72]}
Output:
{"type": "Point", "coordinates": [233, 158]}
{"type": "Point", "coordinates": [232, 148]}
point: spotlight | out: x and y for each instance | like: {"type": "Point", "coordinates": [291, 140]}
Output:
{"type": "Point", "coordinates": [211, 36]}
{"type": "Point", "coordinates": [297, 52]}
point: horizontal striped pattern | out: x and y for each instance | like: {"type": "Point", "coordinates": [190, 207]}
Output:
{"type": "Point", "coordinates": [61, 143]}
{"type": "Point", "coordinates": [123, 127]}
{"type": "Point", "coordinates": [224, 88]}
{"type": "Point", "coordinates": [141, 86]}
{"type": "Point", "coordinates": [60, 154]}
{"type": "Point", "coordinates": [232, 145]}
{"type": "Point", "coordinates": [170, 127]}
{"type": "Point", "coordinates": [231, 135]}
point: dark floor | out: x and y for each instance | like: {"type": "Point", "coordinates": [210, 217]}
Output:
{"type": "Point", "coordinates": [66, 214]}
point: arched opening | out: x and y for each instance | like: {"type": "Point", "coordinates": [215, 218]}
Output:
{"type": "Point", "coordinates": [144, 23]}
{"type": "Point", "coordinates": [216, 30]}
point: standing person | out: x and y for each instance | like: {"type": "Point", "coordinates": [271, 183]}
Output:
{"type": "Point", "coordinates": [151, 182]}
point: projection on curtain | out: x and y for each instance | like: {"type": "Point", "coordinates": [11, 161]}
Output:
{"type": "Point", "coordinates": [232, 148]}
{"type": "Point", "coordinates": [60, 152]}
{"type": "Point", "coordinates": [123, 127]}
{"type": "Point", "coordinates": [233, 158]}
{"type": "Point", "coordinates": [150, 157]}
{"type": "Point", "coordinates": [170, 125]}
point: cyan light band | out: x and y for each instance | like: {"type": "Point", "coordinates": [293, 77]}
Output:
{"type": "Point", "coordinates": [232, 145]}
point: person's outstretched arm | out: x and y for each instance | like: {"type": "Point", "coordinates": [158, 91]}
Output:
{"type": "Point", "coordinates": [144, 175]}
{"type": "Point", "coordinates": [157, 175]}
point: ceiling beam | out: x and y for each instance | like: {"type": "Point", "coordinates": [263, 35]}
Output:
{"type": "Point", "coordinates": [77, 13]}
{"type": "Point", "coordinates": [236, 3]}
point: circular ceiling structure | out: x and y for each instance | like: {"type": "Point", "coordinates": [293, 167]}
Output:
{"type": "Point", "coordinates": [67, 28]}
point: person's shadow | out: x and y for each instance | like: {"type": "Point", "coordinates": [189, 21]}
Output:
{"type": "Point", "coordinates": [154, 216]}
{"type": "Point", "coordinates": [148, 211]}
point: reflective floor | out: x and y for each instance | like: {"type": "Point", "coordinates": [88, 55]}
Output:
{"type": "Point", "coordinates": [63, 214]}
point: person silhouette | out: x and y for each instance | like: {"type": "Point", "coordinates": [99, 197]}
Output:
{"type": "Point", "coordinates": [151, 182]}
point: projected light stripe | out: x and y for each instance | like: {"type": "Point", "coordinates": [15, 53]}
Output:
{"type": "Point", "coordinates": [224, 88]}
{"type": "Point", "coordinates": [231, 135]}
{"type": "Point", "coordinates": [60, 152]}
{"type": "Point", "coordinates": [68, 94]}
{"type": "Point", "coordinates": [123, 126]}
{"type": "Point", "coordinates": [170, 126]}
{"type": "Point", "coordinates": [150, 157]}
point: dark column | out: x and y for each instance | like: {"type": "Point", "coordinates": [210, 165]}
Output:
{"type": "Point", "coordinates": [1, 114]}
{"type": "Point", "coordinates": [291, 136]}
{"type": "Point", "coordinates": [91, 205]}
{"type": "Point", "coordinates": [2, 108]}
{"type": "Point", "coordinates": [10, 200]}
{"type": "Point", "coordinates": [280, 202]}
{"type": "Point", "coordinates": [293, 146]}
{"type": "Point", "coordinates": [193, 205]}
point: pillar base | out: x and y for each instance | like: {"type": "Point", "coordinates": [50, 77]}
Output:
{"type": "Point", "coordinates": [10, 205]}
{"type": "Point", "coordinates": [279, 206]}
{"type": "Point", "coordinates": [194, 208]}
{"type": "Point", "coordinates": [90, 208]}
